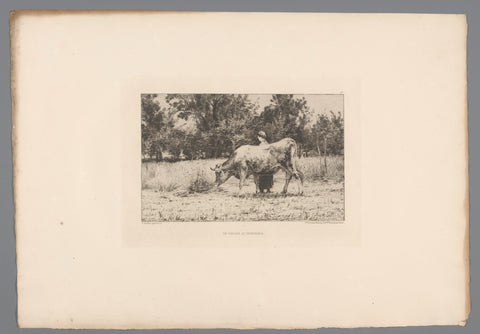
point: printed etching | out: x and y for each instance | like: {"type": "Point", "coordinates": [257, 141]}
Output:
{"type": "Point", "coordinates": [242, 157]}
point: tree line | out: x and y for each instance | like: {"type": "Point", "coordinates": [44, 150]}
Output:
{"type": "Point", "coordinates": [198, 126]}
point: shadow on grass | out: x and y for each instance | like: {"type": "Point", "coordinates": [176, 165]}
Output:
{"type": "Point", "coordinates": [267, 195]}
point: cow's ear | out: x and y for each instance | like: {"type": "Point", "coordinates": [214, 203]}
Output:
{"type": "Point", "coordinates": [212, 168]}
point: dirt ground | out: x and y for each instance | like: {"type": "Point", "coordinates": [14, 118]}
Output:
{"type": "Point", "coordinates": [321, 201]}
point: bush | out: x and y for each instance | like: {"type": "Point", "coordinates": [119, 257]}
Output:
{"type": "Point", "coordinates": [200, 183]}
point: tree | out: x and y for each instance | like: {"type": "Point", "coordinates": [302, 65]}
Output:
{"type": "Point", "coordinates": [336, 141]}
{"type": "Point", "coordinates": [157, 128]}
{"type": "Point", "coordinates": [234, 127]}
{"type": "Point", "coordinates": [152, 122]}
{"type": "Point", "coordinates": [221, 119]}
{"type": "Point", "coordinates": [326, 135]}
{"type": "Point", "coordinates": [285, 117]}
{"type": "Point", "coordinates": [197, 126]}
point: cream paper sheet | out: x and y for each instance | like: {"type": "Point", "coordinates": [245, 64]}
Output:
{"type": "Point", "coordinates": [84, 258]}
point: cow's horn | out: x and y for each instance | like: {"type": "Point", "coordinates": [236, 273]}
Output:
{"type": "Point", "coordinates": [212, 168]}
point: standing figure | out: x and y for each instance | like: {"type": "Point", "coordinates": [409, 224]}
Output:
{"type": "Point", "coordinates": [265, 181]}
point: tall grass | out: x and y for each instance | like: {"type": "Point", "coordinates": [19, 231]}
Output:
{"type": "Point", "coordinates": [196, 176]}
{"type": "Point", "coordinates": [314, 168]}
{"type": "Point", "coordinates": [192, 176]}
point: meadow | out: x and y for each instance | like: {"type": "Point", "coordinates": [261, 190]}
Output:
{"type": "Point", "coordinates": [185, 191]}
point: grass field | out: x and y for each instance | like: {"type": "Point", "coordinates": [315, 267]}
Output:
{"type": "Point", "coordinates": [185, 191]}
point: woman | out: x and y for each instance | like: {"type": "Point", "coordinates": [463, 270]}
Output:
{"type": "Point", "coordinates": [265, 181]}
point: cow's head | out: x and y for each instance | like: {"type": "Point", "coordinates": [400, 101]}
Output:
{"type": "Point", "coordinates": [220, 174]}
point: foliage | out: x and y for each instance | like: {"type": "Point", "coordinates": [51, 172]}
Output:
{"type": "Point", "coordinates": [199, 126]}
{"type": "Point", "coordinates": [326, 135]}
{"type": "Point", "coordinates": [221, 119]}
{"type": "Point", "coordinates": [284, 117]}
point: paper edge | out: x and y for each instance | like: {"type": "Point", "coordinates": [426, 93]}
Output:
{"type": "Point", "coordinates": [461, 323]}
{"type": "Point", "coordinates": [46, 12]}
{"type": "Point", "coordinates": [466, 243]}
{"type": "Point", "coordinates": [14, 16]}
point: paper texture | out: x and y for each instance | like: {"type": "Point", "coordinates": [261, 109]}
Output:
{"type": "Point", "coordinates": [85, 259]}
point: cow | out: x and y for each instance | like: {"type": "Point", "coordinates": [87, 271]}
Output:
{"type": "Point", "coordinates": [265, 159]}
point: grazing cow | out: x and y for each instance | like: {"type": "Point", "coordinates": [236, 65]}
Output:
{"type": "Point", "coordinates": [265, 159]}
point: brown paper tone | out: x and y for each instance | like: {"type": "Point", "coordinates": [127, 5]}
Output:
{"type": "Point", "coordinates": [85, 261]}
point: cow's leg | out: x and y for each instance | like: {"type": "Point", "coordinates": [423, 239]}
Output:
{"type": "Point", "coordinates": [288, 177]}
{"type": "Point", "coordinates": [256, 180]}
{"type": "Point", "coordinates": [291, 167]}
{"type": "Point", "coordinates": [300, 177]}
{"type": "Point", "coordinates": [243, 176]}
